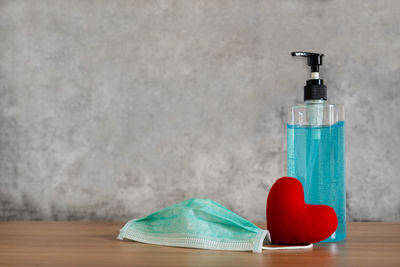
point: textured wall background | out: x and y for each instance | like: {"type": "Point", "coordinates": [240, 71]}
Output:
{"type": "Point", "coordinates": [114, 109]}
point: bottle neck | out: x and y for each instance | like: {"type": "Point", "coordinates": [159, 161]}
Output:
{"type": "Point", "coordinates": [315, 101]}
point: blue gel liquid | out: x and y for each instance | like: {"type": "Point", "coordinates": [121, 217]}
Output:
{"type": "Point", "coordinates": [316, 158]}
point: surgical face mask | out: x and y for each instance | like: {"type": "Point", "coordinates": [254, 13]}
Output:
{"type": "Point", "coordinates": [197, 223]}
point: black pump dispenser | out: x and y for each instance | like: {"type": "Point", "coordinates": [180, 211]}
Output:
{"type": "Point", "coordinates": [314, 88]}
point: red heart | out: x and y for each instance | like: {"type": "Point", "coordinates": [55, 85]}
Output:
{"type": "Point", "coordinates": [291, 221]}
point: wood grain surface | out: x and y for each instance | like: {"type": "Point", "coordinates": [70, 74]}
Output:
{"type": "Point", "coordinates": [95, 243]}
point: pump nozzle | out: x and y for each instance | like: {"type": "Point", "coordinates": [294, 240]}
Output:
{"type": "Point", "coordinates": [315, 88]}
{"type": "Point", "coordinates": [313, 59]}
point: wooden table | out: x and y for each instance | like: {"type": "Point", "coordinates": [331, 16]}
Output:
{"type": "Point", "coordinates": [94, 243]}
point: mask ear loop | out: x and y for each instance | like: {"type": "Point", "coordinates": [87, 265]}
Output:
{"type": "Point", "coordinates": [268, 240]}
{"type": "Point", "coordinates": [288, 247]}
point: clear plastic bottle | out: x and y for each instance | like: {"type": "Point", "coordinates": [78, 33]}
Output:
{"type": "Point", "coordinates": [316, 147]}
{"type": "Point", "coordinates": [316, 156]}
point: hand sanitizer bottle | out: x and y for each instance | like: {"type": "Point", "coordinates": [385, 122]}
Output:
{"type": "Point", "coordinates": [315, 146]}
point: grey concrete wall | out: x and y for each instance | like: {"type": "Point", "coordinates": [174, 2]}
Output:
{"type": "Point", "coordinates": [113, 109]}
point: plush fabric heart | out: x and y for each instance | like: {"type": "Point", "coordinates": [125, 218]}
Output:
{"type": "Point", "coordinates": [291, 221]}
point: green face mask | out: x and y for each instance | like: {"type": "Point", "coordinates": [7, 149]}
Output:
{"type": "Point", "coordinates": [196, 223]}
